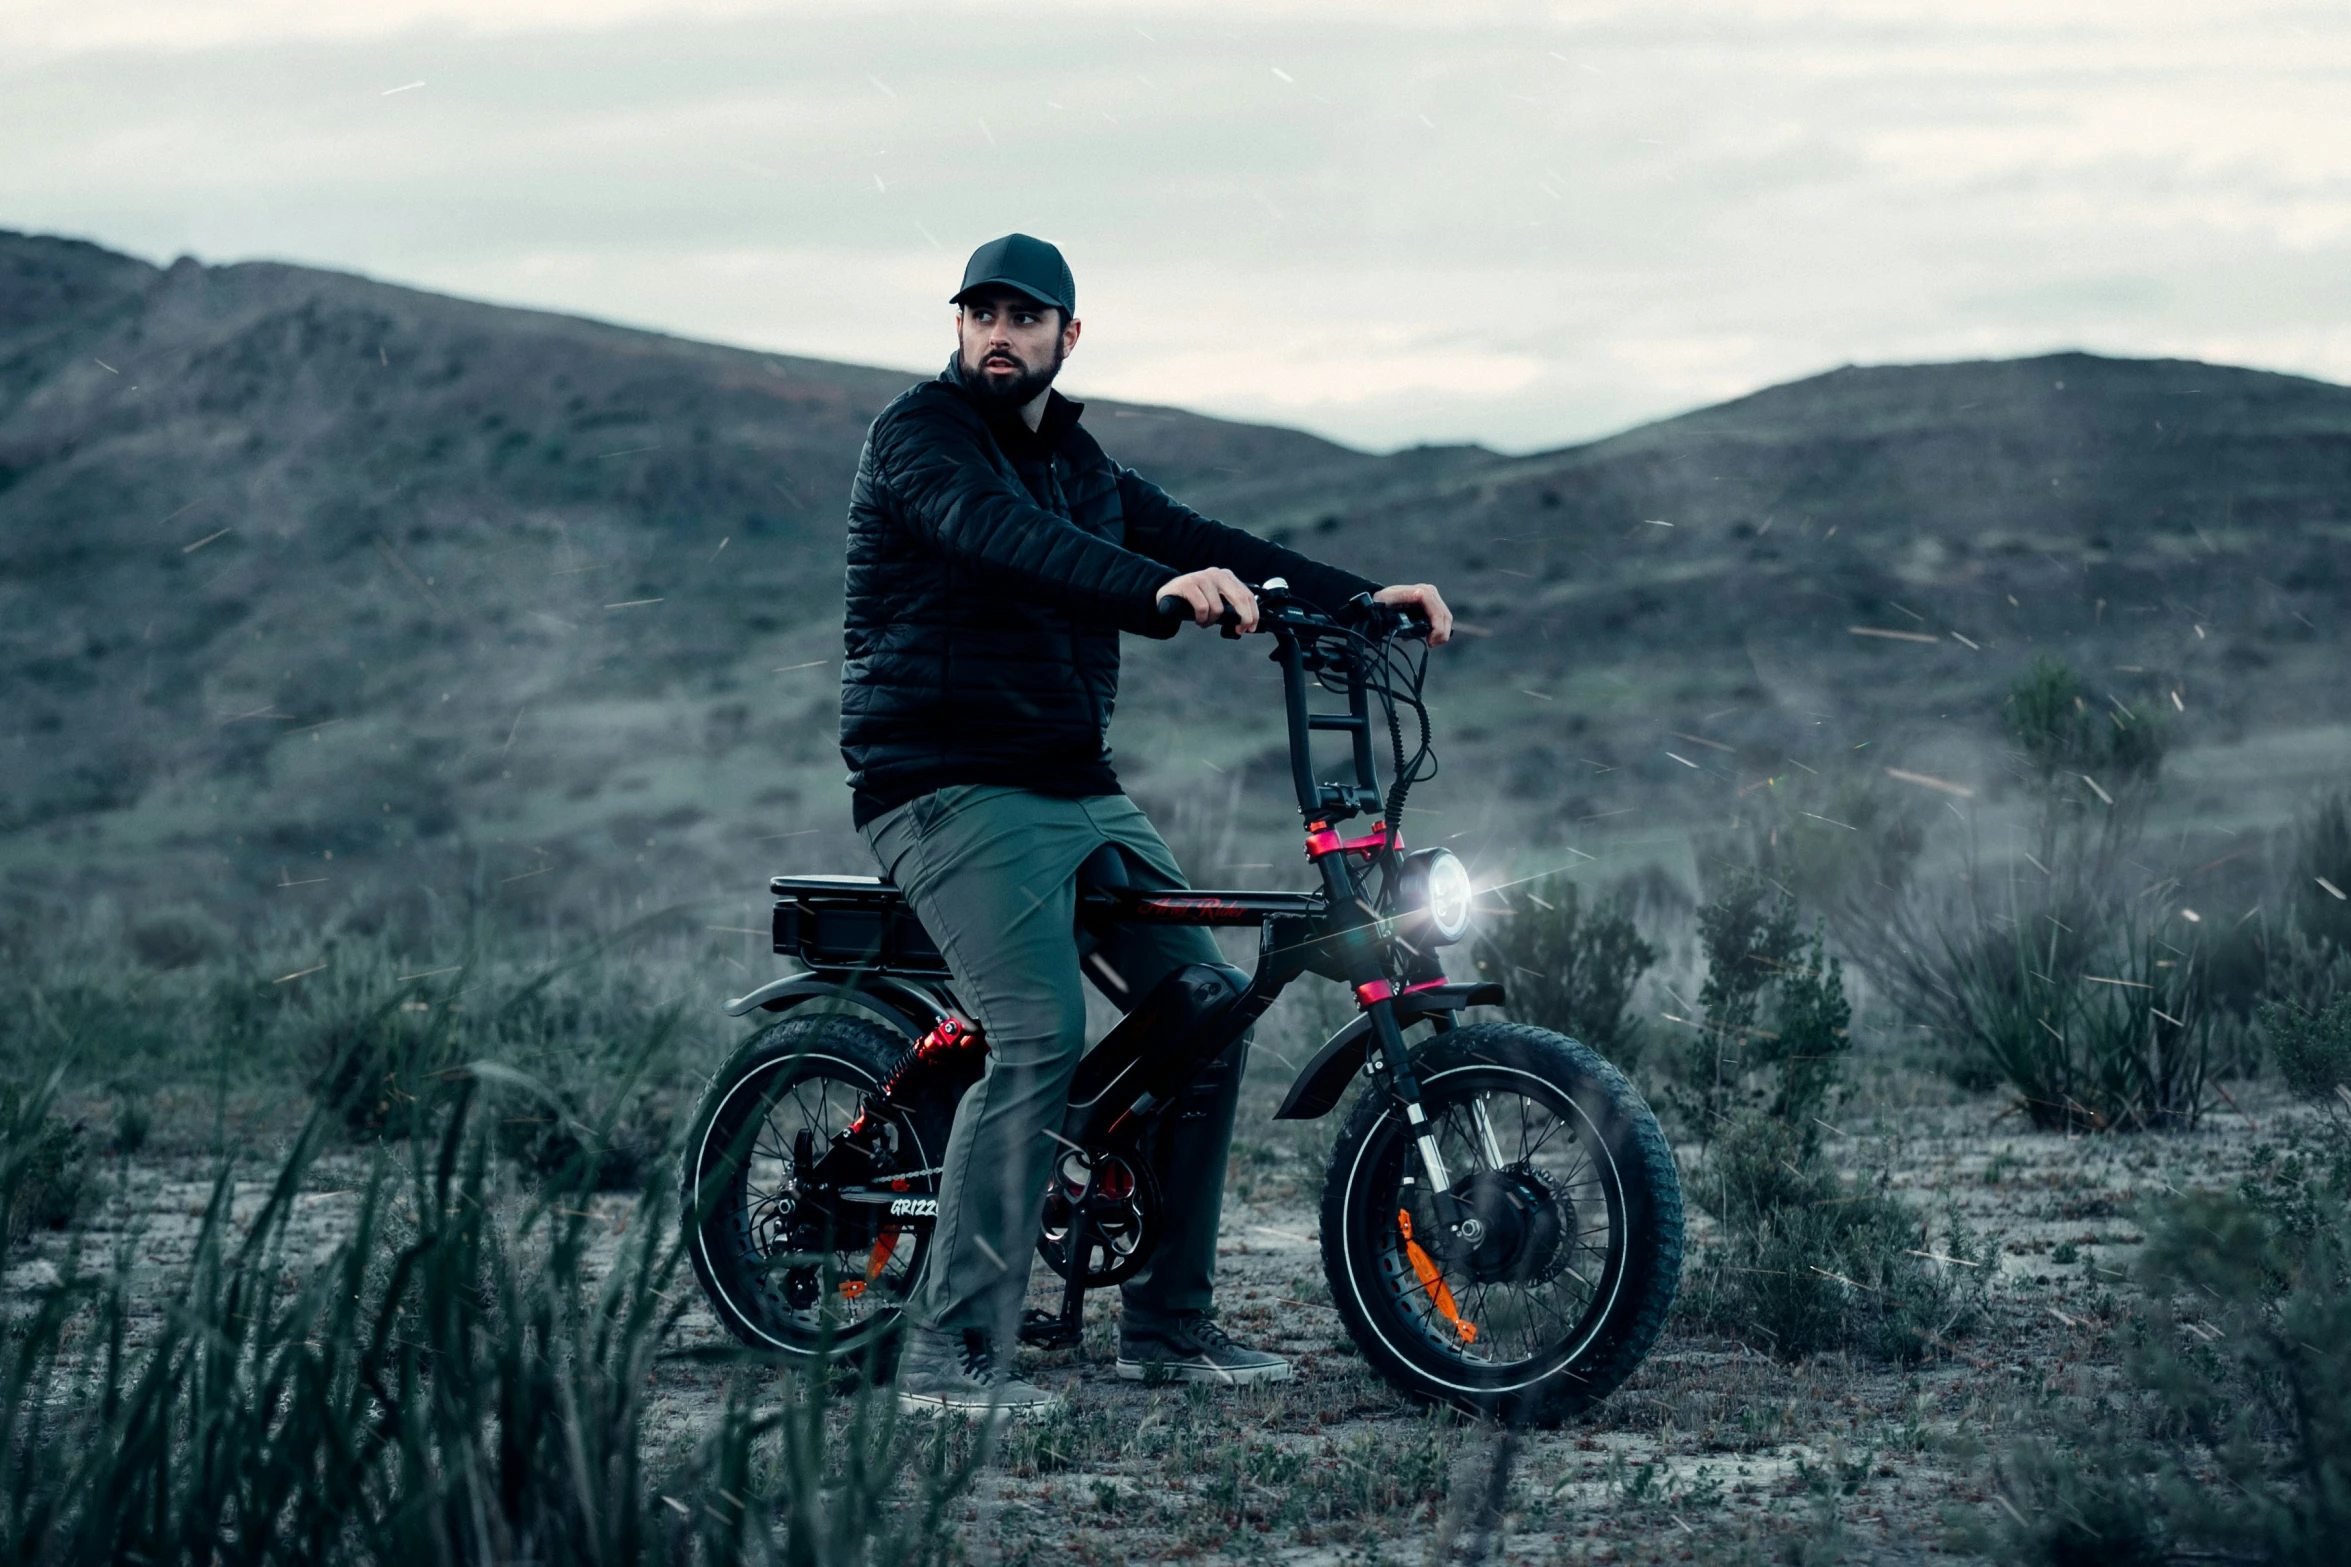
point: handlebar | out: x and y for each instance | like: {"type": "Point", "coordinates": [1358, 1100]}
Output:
{"type": "Point", "coordinates": [1275, 606]}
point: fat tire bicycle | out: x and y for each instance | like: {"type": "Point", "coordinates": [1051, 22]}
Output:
{"type": "Point", "coordinates": [1501, 1222]}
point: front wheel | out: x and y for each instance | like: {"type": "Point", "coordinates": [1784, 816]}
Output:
{"type": "Point", "coordinates": [1579, 1227]}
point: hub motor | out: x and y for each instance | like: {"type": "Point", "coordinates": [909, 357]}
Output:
{"type": "Point", "coordinates": [1527, 1219]}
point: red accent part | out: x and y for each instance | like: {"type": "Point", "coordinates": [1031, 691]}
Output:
{"type": "Point", "coordinates": [950, 1036]}
{"type": "Point", "coordinates": [949, 1030]}
{"type": "Point", "coordinates": [1426, 984]}
{"type": "Point", "coordinates": [1376, 990]}
{"type": "Point", "coordinates": [1322, 839]}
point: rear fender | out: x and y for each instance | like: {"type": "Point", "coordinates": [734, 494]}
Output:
{"type": "Point", "coordinates": [896, 1001]}
{"type": "Point", "coordinates": [1322, 1082]}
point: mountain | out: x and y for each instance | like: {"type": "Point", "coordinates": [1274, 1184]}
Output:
{"type": "Point", "coordinates": [313, 584]}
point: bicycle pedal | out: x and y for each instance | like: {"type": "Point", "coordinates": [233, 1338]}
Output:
{"type": "Point", "coordinates": [1045, 1331]}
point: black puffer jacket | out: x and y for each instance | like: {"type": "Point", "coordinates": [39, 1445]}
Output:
{"type": "Point", "coordinates": [991, 569]}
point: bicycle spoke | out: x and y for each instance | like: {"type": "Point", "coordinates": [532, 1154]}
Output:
{"type": "Point", "coordinates": [1517, 1319]}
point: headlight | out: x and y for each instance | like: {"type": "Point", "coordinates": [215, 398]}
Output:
{"type": "Point", "coordinates": [1436, 888]}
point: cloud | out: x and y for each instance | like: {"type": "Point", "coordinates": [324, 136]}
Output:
{"type": "Point", "coordinates": [1516, 223]}
{"type": "Point", "coordinates": [53, 27]}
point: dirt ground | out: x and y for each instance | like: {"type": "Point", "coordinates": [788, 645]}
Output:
{"type": "Point", "coordinates": [1712, 1452]}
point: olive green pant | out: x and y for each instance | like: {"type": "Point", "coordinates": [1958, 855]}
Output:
{"type": "Point", "coordinates": [992, 873]}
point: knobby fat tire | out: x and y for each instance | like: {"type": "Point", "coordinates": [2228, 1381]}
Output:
{"type": "Point", "coordinates": [1644, 1284]}
{"type": "Point", "coordinates": [848, 1049]}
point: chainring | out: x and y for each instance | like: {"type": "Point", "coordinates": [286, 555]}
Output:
{"type": "Point", "coordinates": [1123, 1195]}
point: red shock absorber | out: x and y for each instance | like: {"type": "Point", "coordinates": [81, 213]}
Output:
{"type": "Point", "coordinates": [950, 1037]}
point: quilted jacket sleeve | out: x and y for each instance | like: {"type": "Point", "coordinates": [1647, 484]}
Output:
{"type": "Point", "coordinates": [1175, 535]}
{"type": "Point", "coordinates": [951, 494]}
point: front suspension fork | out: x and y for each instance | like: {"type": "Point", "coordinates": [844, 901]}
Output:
{"type": "Point", "coordinates": [1388, 1040]}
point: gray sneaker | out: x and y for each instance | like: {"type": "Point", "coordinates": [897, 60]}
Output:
{"type": "Point", "coordinates": [955, 1372]}
{"type": "Point", "coordinates": [1192, 1349]}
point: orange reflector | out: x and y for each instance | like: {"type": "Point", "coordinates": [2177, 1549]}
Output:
{"type": "Point", "coordinates": [874, 1264]}
{"type": "Point", "coordinates": [1433, 1281]}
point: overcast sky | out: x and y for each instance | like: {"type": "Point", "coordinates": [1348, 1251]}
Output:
{"type": "Point", "coordinates": [1518, 224]}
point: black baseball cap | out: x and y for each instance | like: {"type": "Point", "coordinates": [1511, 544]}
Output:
{"type": "Point", "coordinates": [1023, 262]}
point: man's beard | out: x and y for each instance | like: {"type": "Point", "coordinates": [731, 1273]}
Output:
{"type": "Point", "coordinates": [1018, 391]}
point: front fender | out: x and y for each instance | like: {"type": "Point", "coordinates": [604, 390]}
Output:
{"type": "Point", "coordinates": [1323, 1081]}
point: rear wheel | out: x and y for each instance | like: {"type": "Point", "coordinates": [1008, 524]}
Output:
{"type": "Point", "coordinates": [1579, 1244]}
{"type": "Point", "coordinates": [783, 1269]}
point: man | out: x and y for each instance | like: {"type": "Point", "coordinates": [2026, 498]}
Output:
{"type": "Point", "coordinates": [995, 554]}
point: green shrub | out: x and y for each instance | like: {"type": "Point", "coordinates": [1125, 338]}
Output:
{"type": "Point", "coordinates": [548, 1128]}
{"type": "Point", "coordinates": [2086, 1010]}
{"type": "Point", "coordinates": [2313, 1050]}
{"type": "Point", "coordinates": [44, 1176]}
{"type": "Point", "coordinates": [2090, 769]}
{"type": "Point", "coordinates": [381, 1047]}
{"type": "Point", "coordinates": [133, 1124]}
{"type": "Point", "coordinates": [2322, 857]}
{"type": "Point", "coordinates": [2092, 1502]}
{"type": "Point", "coordinates": [2304, 974]}
{"type": "Point", "coordinates": [2064, 740]}
{"type": "Point", "coordinates": [380, 1068]}
{"type": "Point", "coordinates": [1568, 967]}
{"type": "Point", "coordinates": [364, 1011]}
{"type": "Point", "coordinates": [2238, 1436]}
{"type": "Point", "coordinates": [176, 940]}
{"type": "Point", "coordinates": [1805, 1259]}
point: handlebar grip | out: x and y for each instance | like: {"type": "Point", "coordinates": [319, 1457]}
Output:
{"type": "Point", "coordinates": [1176, 610]}
{"type": "Point", "coordinates": [1406, 622]}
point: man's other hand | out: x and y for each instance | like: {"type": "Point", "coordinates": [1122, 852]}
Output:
{"type": "Point", "coordinates": [1430, 602]}
{"type": "Point", "coordinates": [1209, 592]}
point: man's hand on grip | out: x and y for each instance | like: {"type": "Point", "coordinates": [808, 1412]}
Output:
{"type": "Point", "coordinates": [1424, 597]}
{"type": "Point", "coordinates": [1210, 593]}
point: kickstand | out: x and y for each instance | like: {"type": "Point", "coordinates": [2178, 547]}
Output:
{"type": "Point", "coordinates": [1067, 1330]}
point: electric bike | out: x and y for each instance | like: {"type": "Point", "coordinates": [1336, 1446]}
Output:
{"type": "Point", "coordinates": [1501, 1220]}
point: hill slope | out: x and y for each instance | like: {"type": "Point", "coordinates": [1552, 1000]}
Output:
{"type": "Point", "coordinates": [2165, 526]}
{"type": "Point", "coordinates": [310, 580]}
